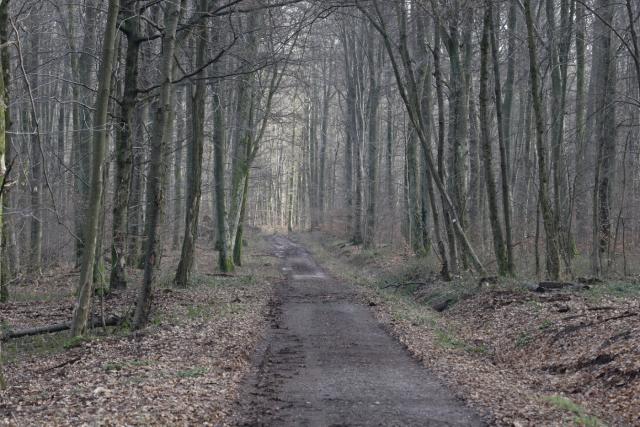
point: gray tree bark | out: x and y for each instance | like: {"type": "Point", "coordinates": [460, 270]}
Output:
{"type": "Point", "coordinates": [156, 183]}
{"type": "Point", "coordinates": [82, 308]}
{"type": "Point", "coordinates": [194, 161]}
{"type": "Point", "coordinates": [124, 150]}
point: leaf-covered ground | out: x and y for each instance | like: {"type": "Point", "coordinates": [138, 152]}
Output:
{"type": "Point", "coordinates": [528, 359]}
{"type": "Point", "coordinates": [185, 368]}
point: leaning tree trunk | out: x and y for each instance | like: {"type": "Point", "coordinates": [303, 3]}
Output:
{"type": "Point", "coordinates": [158, 168]}
{"type": "Point", "coordinates": [82, 307]}
{"type": "Point", "coordinates": [194, 161]}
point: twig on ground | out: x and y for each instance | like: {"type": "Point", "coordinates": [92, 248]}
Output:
{"type": "Point", "coordinates": [60, 365]}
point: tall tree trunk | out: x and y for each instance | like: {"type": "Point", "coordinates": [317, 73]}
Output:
{"type": "Point", "coordinates": [158, 168]}
{"type": "Point", "coordinates": [442, 173]}
{"type": "Point", "coordinates": [180, 116]}
{"type": "Point", "coordinates": [374, 59]}
{"type": "Point", "coordinates": [4, 97]}
{"type": "Point", "coordinates": [351, 133]}
{"type": "Point", "coordinates": [225, 260]}
{"type": "Point", "coordinates": [82, 65]}
{"type": "Point", "coordinates": [507, 264]}
{"type": "Point", "coordinates": [546, 209]}
{"type": "Point", "coordinates": [82, 308]}
{"type": "Point", "coordinates": [485, 121]}
{"type": "Point", "coordinates": [243, 132]}
{"type": "Point", "coordinates": [391, 194]}
{"type": "Point", "coordinates": [124, 151]}
{"type": "Point", "coordinates": [357, 236]}
{"type": "Point", "coordinates": [558, 61]}
{"type": "Point", "coordinates": [194, 161]}
{"type": "Point", "coordinates": [458, 123]}
{"type": "Point", "coordinates": [136, 207]}
{"type": "Point", "coordinates": [36, 159]}
{"type": "Point", "coordinates": [507, 102]}
{"type": "Point", "coordinates": [580, 187]}
{"type": "Point", "coordinates": [9, 260]}
{"type": "Point", "coordinates": [604, 77]}
{"type": "Point", "coordinates": [324, 140]}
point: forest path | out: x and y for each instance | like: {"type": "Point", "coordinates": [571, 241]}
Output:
{"type": "Point", "coordinates": [327, 362]}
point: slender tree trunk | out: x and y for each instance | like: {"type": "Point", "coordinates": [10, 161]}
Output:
{"type": "Point", "coordinates": [4, 97]}
{"type": "Point", "coordinates": [546, 209]}
{"type": "Point", "coordinates": [158, 168]}
{"type": "Point", "coordinates": [357, 237]}
{"type": "Point", "coordinates": [8, 249]}
{"type": "Point", "coordinates": [558, 63]}
{"type": "Point", "coordinates": [242, 138]}
{"type": "Point", "coordinates": [194, 160]}
{"type": "Point", "coordinates": [485, 121]}
{"type": "Point", "coordinates": [36, 160]}
{"type": "Point", "coordinates": [324, 140]}
{"type": "Point", "coordinates": [136, 208]}
{"type": "Point", "coordinates": [180, 116]}
{"type": "Point", "coordinates": [225, 260]}
{"type": "Point", "coordinates": [124, 153]}
{"type": "Point", "coordinates": [604, 76]}
{"type": "Point", "coordinates": [509, 84]}
{"type": "Point", "coordinates": [82, 308]}
{"type": "Point", "coordinates": [580, 188]}
{"type": "Point", "coordinates": [351, 133]}
{"type": "Point", "coordinates": [82, 65]}
{"type": "Point", "coordinates": [506, 265]}
{"type": "Point", "coordinates": [374, 59]}
{"type": "Point", "coordinates": [442, 173]}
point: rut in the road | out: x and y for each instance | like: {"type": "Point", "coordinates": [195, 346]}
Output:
{"type": "Point", "coordinates": [327, 362]}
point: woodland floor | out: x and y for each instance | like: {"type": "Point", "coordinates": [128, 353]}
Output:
{"type": "Point", "coordinates": [285, 341]}
{"type": "Point", "coordinates": [184, 369]}
{"type": "Point", "coordinates": [522, 357]}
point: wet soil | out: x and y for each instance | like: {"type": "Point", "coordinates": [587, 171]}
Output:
{"type": "Point", "coordinates": [327, 362]}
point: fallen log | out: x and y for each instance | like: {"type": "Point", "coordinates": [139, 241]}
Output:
{"type": "Point", "coordinates": [549, 286]}
{"type": "Point", "coordinates": [58, 327]}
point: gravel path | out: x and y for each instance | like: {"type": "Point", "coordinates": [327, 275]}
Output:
{"type": "Point", "coordinates": [327, 362]}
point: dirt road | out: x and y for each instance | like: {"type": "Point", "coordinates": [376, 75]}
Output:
{"type": "Point", "coordinates": [327, 362]}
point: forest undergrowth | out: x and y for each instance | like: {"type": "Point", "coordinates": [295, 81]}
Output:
{"type": "Point", "coordinates": [185, 368]}
{"type": "Point", "coordinates": [527, 358]}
